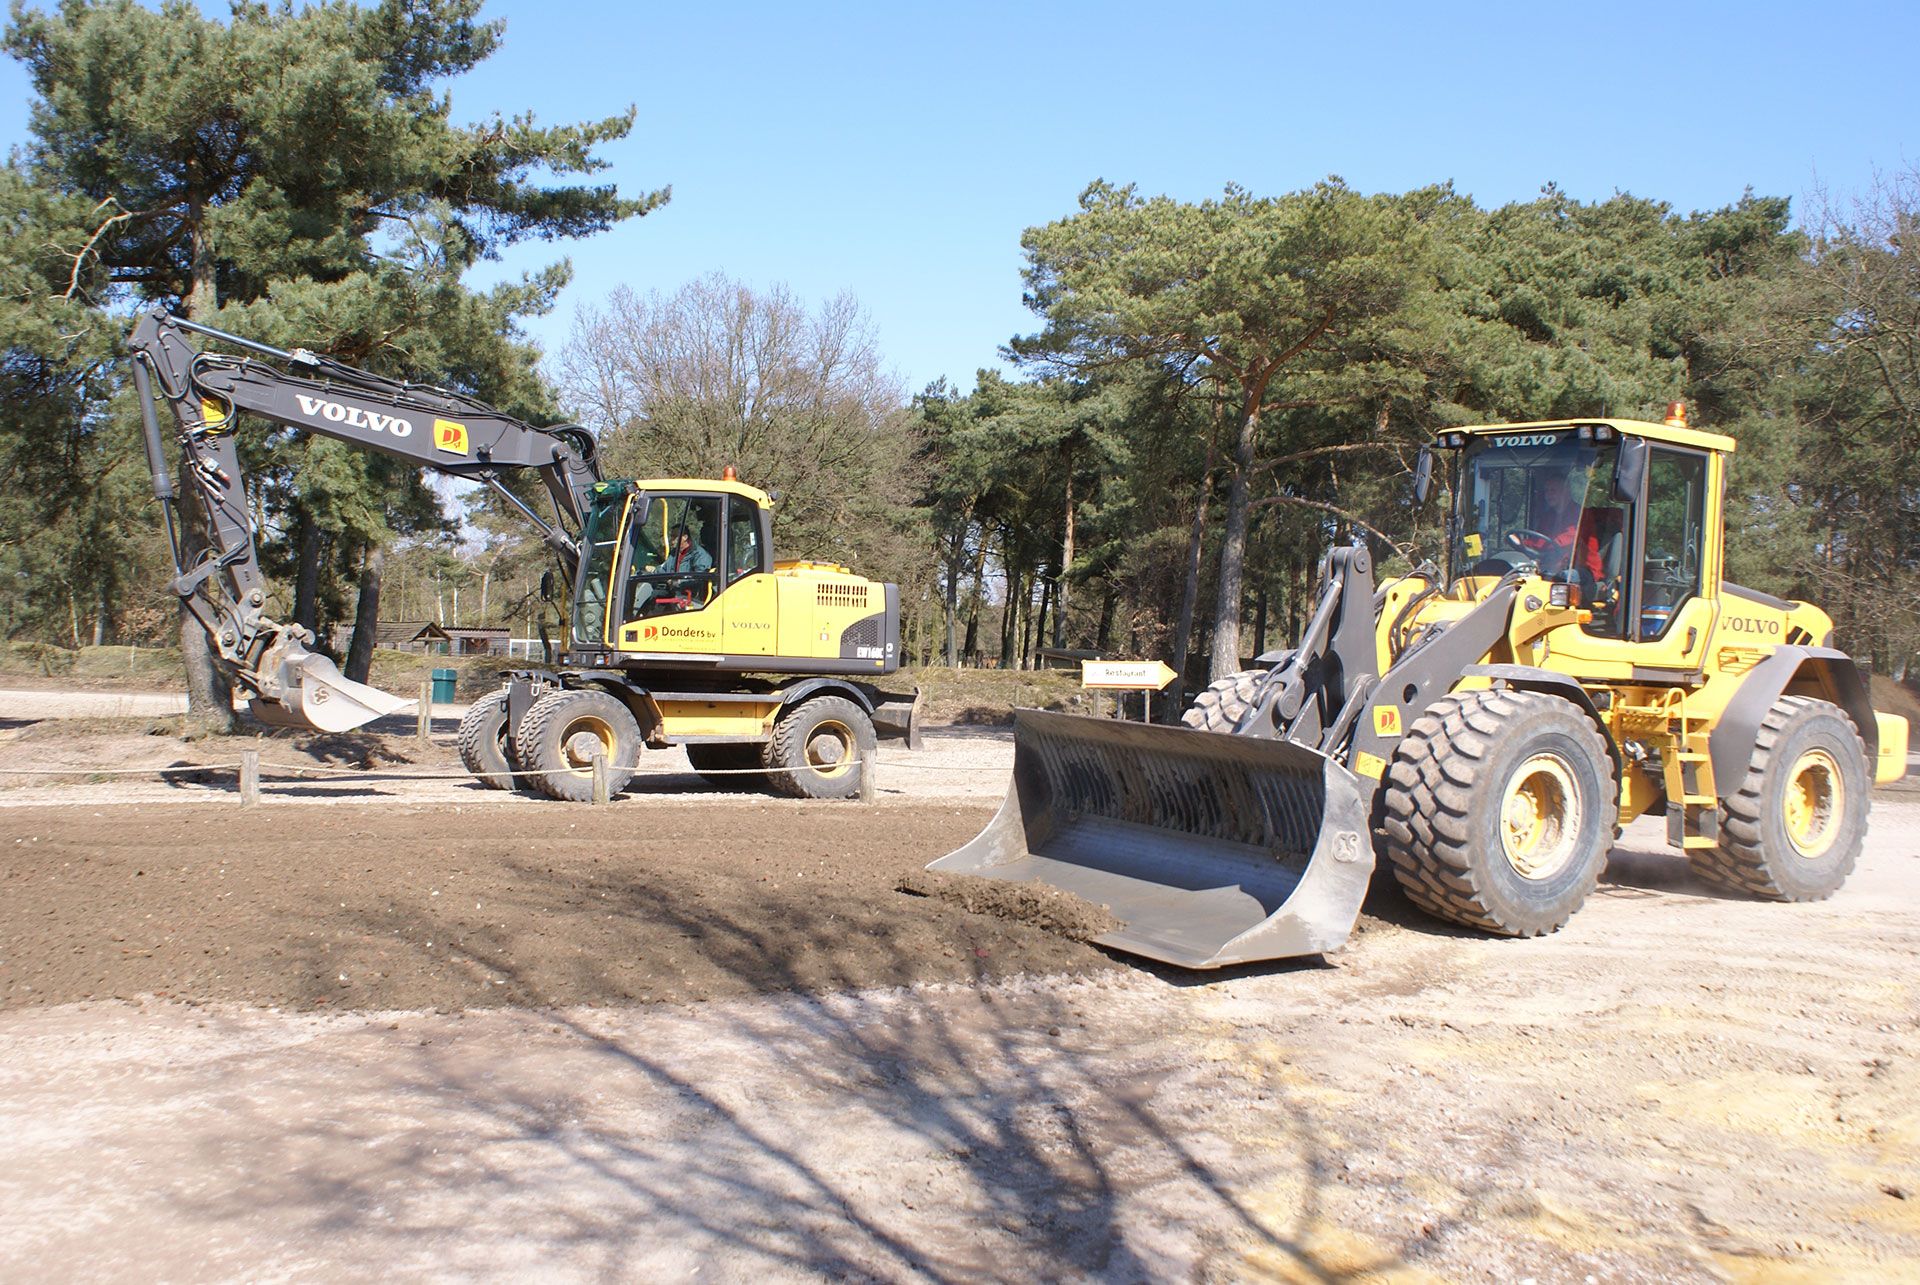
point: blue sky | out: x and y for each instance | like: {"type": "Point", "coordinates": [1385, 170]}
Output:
{"type": "Point", "coordinates": [896, 151]}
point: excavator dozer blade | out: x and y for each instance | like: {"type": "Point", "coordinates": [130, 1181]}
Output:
{"type": "Point", "coordinates": [1209, 848]}
{"type": "Point", "coordinates": [316, 696]}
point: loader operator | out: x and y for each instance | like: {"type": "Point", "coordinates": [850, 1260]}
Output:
{"type": "Point", "coordinates": [1573, 534]}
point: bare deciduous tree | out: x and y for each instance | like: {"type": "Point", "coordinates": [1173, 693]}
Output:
{"type": "Point", "coordinates": [717, 374]}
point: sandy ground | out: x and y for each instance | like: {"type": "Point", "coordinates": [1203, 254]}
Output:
{"type": "Point", "coordinates": [701, 1036]}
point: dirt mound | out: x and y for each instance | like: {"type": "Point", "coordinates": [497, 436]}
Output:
{"type": "Point", "coordinates": [354, 906]}
{"type": "Point", "coordinates": [1050, 909]}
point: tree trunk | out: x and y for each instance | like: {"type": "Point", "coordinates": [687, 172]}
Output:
{"type": "Point", "coordinates": [1066, 564]}
{"type": "Point", "coordinates": [1233, 544]}
{"type": "Point", "coordinates": [1190, 589]}
{"type": "Point", "coordinates": [209, 688]}
{"type": "Point", "coordinates": [970, 654]}
{"type": "Point", "coordinates": [1104, 636]}
{"type": "Point", "coordinates": [1260, 620]}
{"type": "Point", "coordinates": [366, 616]}
{"type": "Point", "coordinates": [1010, 617]}
{"type": "Point", "coordinates": [306, 580]}
{"type": "Point", "coordinates": [950, 599]}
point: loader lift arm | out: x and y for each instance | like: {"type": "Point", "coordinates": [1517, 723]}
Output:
{"type": "Point", "coordinates": [210, 530]}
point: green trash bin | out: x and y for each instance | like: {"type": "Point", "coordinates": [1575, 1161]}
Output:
{"type": "Point", "coordinates": [443, 683]}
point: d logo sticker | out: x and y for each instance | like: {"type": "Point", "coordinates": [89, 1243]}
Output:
{"type": "Point", "coordinates": [449, 435]}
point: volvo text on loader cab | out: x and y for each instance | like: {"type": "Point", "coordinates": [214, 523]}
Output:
{"type": "Point", "coordinates": [1580, 661]}
{"type": "Point", "coordinates": [685, 630]}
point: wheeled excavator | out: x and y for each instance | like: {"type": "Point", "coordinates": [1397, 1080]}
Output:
{"type": "Point", "coordinates": [684, 630]}
{"type": "Point", "coordinates": [1483, 727]}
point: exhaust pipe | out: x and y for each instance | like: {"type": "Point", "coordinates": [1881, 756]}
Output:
{"type": "Point", "coordinates": [1210, 849]}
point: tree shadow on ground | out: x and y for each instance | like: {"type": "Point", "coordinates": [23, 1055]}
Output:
{"type": "Point", "coordinates": [1011, 1137]}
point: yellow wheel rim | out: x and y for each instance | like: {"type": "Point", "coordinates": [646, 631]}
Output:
{"type": "Point", "coordinates": [581, 739]}
{"type": "Point", "coordinates": [1540, 817]}
{"type": "Point", "coordinates": [830, 748]}
{"type": "Point", "coordinates": [1813, 803]}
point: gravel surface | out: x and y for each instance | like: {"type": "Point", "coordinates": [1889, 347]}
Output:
{"type": "Point", "coordinates": [706, 1036]}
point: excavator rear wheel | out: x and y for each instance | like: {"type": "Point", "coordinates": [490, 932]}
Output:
{"type": "Point", "coordinates": [1498, 810]}
{"type": "Point", "coordinates": [483, 743]}
{"type": "Point", "coordinates": [1793, 829]}
{"type": "Point", "coordinates": [564, 730]}
{"type": "Point", "coordinates": [824, 744]}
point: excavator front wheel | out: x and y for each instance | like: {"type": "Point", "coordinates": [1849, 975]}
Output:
{"type": "Point", "coordinates": [1793, 828]}
{"type": "Point", "coordinates": [1498, 810]}
{"type": "Point", "coordinates": [483, 743]}
{"type": "Point", "coordinates": [564, 730]}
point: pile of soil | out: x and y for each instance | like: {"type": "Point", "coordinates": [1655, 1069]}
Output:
{"type": "Point", "coordinates": [1047, 908]}
{"type": "Point", "coordinates": [386, 907]}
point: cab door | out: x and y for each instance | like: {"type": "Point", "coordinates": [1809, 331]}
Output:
{"type": "Point", "coordinates": [1672, 597]}
{"type": "Point", "coordinates": [670, 597]}
{"type": "Point", "coordinates": [749, 594]}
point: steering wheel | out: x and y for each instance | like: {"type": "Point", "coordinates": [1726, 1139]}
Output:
{"type": "Point", "coordinates": [1529, 541]}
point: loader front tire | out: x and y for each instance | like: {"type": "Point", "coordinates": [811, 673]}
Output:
{"type": "Point", "coordinates": [1498, 810]}
{"type": "Point", "coordinates": [483, 742]}
{"type": "Point", "coordinates": [824, 744]}
{"type": "Point", "coordinates": [564, 730]}
{"type": "Point", "coordinates": [1225, 702]}
{"type": "Point", "coordinates": [1794, 827]}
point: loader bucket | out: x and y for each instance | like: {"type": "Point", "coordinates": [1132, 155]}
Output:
{"type": "Point", "coordinates": [1209, 848]}
{"type": "Point", "coordinates": [315, 695]}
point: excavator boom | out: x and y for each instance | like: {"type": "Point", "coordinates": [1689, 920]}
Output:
{"type": "Point", "coordinates": [210, 528]}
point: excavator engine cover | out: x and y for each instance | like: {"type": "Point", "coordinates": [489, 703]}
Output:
{"type": "Point", "coordinates": [314, 695]}
{"type": "Point", "coordinates": [1209, 848]}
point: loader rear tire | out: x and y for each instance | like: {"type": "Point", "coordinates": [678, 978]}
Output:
{"type": "Point", "coordinates": [825, 743]}
{"type": "Point", "coordinates": [1225, 702]}
{"type": "Point", "coordinates": [1498, 810]}
{"type": "Point", "coordinates": [1794, 827]}
{"type": "Point", "coordinates": [560, 734]}
{"type": "Point", "coordinates": [717, 763]}
{"type": "Point", "coordinates": [483, 743]}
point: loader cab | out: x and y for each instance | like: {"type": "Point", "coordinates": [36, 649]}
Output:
{"type": "Point", "coordinates": [1625, 514]}
{"type": "Point", "coordinates": [666, 548]}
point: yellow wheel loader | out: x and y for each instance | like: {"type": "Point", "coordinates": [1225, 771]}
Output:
{"type": "Point", "coordinates": [685, 629]}
{"type": "Point", "coordinates": [1485, 728]}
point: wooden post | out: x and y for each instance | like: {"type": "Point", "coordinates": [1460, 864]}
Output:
{"type": "Point", "coordinates": [424, 728]}
{"type": "Point", "coordinates": [600, 792]}
{"type": "Point", "coordinates": [869, 786]}
{"type": "Point", "coordinates": [249, 778]}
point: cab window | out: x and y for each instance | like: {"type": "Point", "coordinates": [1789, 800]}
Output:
{"type": "Point", "coordinates": [598, 543]}
{"type": "Point", "coordinates": [743, 538]}
{"type": "Point", "coordinates": [671, 558]}
{"type": "Point", "coordinates": [1675, 536]}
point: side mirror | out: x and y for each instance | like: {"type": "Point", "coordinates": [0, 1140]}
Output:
{"type": "Point", "coordinates": [1423, 475]}
{"type": "Point", "coordinates": [1630, 469]}
{"type": "Point", "coordinates": [546, 585]}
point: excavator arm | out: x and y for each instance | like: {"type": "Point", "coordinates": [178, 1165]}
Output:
{"type": "Point", "coordinates": [210, 528]}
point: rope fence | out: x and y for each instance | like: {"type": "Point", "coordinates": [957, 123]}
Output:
{"type": "Point", "coordinates": [251, 773]}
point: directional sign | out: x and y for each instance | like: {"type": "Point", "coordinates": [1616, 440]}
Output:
{"type": "Point", "coordinates": [1126, 675]}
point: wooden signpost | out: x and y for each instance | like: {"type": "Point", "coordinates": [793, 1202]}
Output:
{"type": "Point", "coordinates": [1147, 676]}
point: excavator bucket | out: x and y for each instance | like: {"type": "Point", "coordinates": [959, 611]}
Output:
{"type": "Point", "coordinates": [316, 696]}
{"type": "Point", "coordinates": [1209, 848]}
